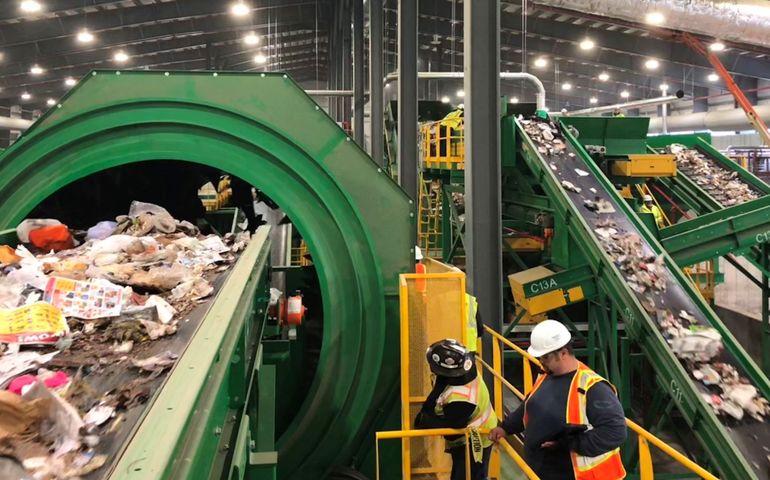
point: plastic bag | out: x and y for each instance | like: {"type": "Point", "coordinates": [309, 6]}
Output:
{"type": "Point", "coordinates": [101, 230]}
{"type": "Point", "coordinates": [22, 231]}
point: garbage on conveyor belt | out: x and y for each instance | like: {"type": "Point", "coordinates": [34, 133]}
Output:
{"type": "Point", "coordinates": [69, 313]}
{"type": "Point", "coordinates": [547, 136]}
{"type": "Point", "coordinates": [723, 185]}
{"type": "Point", "coordinates": [698, 347]}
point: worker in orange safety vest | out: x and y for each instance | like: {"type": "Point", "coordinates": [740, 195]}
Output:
{"type": "Point", "coordinates": [572, 420]}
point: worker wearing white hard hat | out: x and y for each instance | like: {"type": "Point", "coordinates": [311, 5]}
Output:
{"type": "Point", "coordinates": [651, 208]}
{"type": "Point", "coordinates": [417, 254]}
{"type": "Point", "coordinates": [572, 420]}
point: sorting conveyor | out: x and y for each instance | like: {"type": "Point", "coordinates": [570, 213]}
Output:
{"type": "Point", "coordinates": [736, 450]}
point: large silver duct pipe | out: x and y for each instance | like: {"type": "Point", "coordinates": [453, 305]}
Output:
{"type": "Point", "coordinates": [9, 123]}
{"type": "Point", "coordinates": [742, 21]}
{"type": "Point", "coordinates": [330, 93]}
{"type": "Point", "coordinates": [622, 106]}
{"type": "Point", "coordinates": [716, 120]}
{"type": "Point", "coordinates": [459, 75]}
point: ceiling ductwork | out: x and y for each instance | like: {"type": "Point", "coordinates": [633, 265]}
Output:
{"type": "Point", "coordinates": [8, 123]}
{"type": "Point", "coordinates": [740, 21]}
{"type": "Point", "coordinates": [716, 120]}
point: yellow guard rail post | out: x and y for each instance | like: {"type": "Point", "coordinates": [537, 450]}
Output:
{"type": "Point", "coordinates": [645, 438]}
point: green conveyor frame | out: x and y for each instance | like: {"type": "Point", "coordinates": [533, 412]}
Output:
{"type": "Point", "coordinates": [264, 129]}
{"type": "Point", "coordinates": [722, 450]}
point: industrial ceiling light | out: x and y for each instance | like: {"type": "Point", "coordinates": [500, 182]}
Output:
{"type": "Point", "coordinates": [514, 100]}
{"type": "Point", "coordinates": [120, 56]}
{"type": "Point", "coordinates": [587, 44]}
{"type": "Point", "coordinates": [239, 9]}
{"type": "Point", "coordinates": [651, 64]}
{"type": "Point", "coordinates": [566, 86]}
{"type": "Point", "coordinates": [460, 93]}
{"type": "Point", "coordinates": [50, 102]}
{"type": "Point", "coordinates": [251, 39]}
{"type": "Point", "coordinates": [663, 87]}
{"type": "Point", "coordinates": [260, 59]}
{"type": "Point", "coordinates": [36, 70]}
{"type": "Point", "coordinates": [593, 100]}
{"type": "Point", "coordinates": [84, 36]}
{"type": "Point", "coordinates": [655, 18]}
{"type": "Point", "coordinates": [69, 81]}
{"type": "Point", "coordinates": [713, 77]}
{"type": "Point", "coordinates": [604, 76]}
{"type": "Point", "coordinates": [30, 6]}
{"type": "Point", "coordinates": [541, 62]}
{"type": "Point", "coordinates": [444, 99]}
{"type": "Point", "coordinates": [717, 46]}
{"type": "Point", "coordinates": [26, 96]}
{"type": "Point", "coordinates": [625, 94]}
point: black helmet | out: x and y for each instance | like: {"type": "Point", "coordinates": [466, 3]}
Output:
{"type": "Point", "coordinates": [449, 358]}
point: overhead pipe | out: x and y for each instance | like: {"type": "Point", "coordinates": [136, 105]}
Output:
{"type": "Point", "coordinates": [9, 123]}
{"type": "Point", "coordinates": [460, 75]}
{"type": "Point", "coordinates": [717, 120]}
{"type": "Point", "coordinates": [620, 106]}
{"type": "Point", "coordinates": [330, 93]}
{"type": "Point", "coordinates": [740, 21]}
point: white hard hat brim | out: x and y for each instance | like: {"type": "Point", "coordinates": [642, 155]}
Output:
{"type": "Point", "coordinates": [539, 353]}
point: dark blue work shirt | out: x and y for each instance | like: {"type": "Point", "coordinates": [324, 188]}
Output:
{"type": "Point", "coordinates": [547, 413]}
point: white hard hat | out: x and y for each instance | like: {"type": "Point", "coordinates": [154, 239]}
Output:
{"type": "Point", "coordinates": [548, 336]}
{"type": "Point", "coordinates": [647, 198]}
{"type": "Point", "coordinates": [417, 253]}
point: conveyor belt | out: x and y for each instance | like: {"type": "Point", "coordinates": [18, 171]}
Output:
{"type": "Point", "coordinates": [748, 437]}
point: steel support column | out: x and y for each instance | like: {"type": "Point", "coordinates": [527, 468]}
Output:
{"type": "Point", "coordinates": [765, 341]}
{"type": "Point", "coordinates": [483, 232]}
{"type": "Point", "coordinates": [407, 96]}
{"type": "Point", "coordinates": [376, 114]}
{"type": "Point", "coordinates": [358, 72]}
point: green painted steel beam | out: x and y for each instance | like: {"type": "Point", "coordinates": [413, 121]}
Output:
{"type": "Point", "coordinates": [718, 233]}
{"type": "Point", "coordinates": [264, 129]}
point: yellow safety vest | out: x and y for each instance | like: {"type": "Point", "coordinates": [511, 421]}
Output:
{"type": "Point", "coordinates": [656, 213]}
{"type": "Point", "coordinates": [453, 119]}
{"type": "Point", "coordinates": [471, 330]}
{"type": "Point", "coordinates": [476, 393]}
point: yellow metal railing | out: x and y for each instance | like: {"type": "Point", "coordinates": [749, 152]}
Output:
{"type": "Point", "coordinates": [644, 437]}
{"type": "Point", "coordinates": [443, 144]}
{"type": "Point", "coordinates": [299, 255]}
{"type": "Point", "coordinates": [429, 218]}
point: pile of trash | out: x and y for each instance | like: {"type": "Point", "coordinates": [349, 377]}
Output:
{"type": "Point", "coordinates": [698, 347]}
{"type": "Point", "coordinates": [547, 136]}
{"type": "Point", "coordinates": [74, 305]}
{"type": "Point", "coordinates": [722, 184]}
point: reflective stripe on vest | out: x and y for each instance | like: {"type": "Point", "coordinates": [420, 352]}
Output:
{"type": "Point", "coordinates": [607, 466]}
{"type": "Point", "coordinates": [474, 392]}
{"type": "Point", "coordinates": [470, 322]}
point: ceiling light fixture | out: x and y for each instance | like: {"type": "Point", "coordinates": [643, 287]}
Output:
{"type": "Point", "coordinates": [514, 100]}
{"type": "Point", "coordinates": [604, 76]}
{"type": "Point", "coordinates": [50, 102]}
{"type": "Point", "coordinates": [460, 93]}
{"type": "Point", "coordinates": [587, 44]}
{"type": "Point", "coordinates": [25, 96]}
{"type": "Point", "coordinates": [541, 62]}
{"type": "Point", "coordinates": [84, 36]}
{"type": "Point", "coordinates": [625, 94]}
{"type": "Point", "coordinates": [663, 86]}
{"type": "Point", "coordinates": [239, 9]}
{"type": "Point", "coordinates": [566, 86]}
{"type": "Point", "coordinates": [717, 46]}
{"type": "Point", "coordinates": [30, 6]}
{"type": "Point", "coordinates": [120, 56]}
{"type": "Point", "coordinates": [251, 39]}
{"type": "Point", "coordinates": [36, 70]}
{"type": "Point", "coordinates": [593, 100]}
{"type": "Point", "coordinates": [655, 18]}
{"type": "Point", "coordinates": [713, 77]}
{"type": "Point", "coordinates": [69, 81]}
{"type": "Point", "coordinates": [260, 59]}
{"type": "Point", "coordinates": [444, 99]}
{"type": "Point", "coordinates": [651, 64]}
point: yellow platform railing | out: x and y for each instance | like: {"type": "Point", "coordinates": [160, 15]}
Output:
{"type": "Point", "coordinates": [443, 144]}
{"type": "Point", "coordinates": [644, 437]}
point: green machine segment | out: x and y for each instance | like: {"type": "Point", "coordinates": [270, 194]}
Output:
{"type": "Point", "coordinates": [357, 223]}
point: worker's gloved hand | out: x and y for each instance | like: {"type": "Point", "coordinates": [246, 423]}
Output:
{"type": "Point", "coordinates": [565, 437]}
{"type": "Point", "coordinates": [497, 433]}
